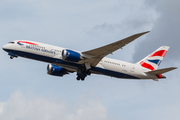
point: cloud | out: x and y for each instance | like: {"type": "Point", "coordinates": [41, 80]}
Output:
{"type": "Point", "coordinates": [31, 107]}
{"type": "Point", "coordinates": [165, 32]}
{"type": "Point", "coordinates": [84, 25]}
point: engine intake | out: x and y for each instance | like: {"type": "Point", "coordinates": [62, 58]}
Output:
{"type": "Point", "coordinates": [56, 70]}
{"type": "Point", "coordinates": [70, 55]}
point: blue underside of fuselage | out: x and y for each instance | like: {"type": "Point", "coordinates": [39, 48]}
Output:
{"type": "Point", "coordinates": [47, 59]}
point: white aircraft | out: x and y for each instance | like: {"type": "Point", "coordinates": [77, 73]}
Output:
{"type": "Point", "coordinates": [64, 61]}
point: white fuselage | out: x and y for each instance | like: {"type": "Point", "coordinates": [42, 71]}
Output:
{"type": "Point", "coordinates": [53, 54]}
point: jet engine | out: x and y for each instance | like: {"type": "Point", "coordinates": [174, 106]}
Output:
{"type": "Point", "coordinates": [56, 70]}
{"type": "Point", "coordinates": [71, 56]}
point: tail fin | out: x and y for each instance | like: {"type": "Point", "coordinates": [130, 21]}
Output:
{"type": "Point", "coordinates": [153, 60]}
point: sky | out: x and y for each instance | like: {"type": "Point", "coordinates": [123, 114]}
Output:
{"type": "Point", "coordinates": [27, 92]}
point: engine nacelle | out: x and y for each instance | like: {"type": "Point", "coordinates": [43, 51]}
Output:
{"type": "Point", "coordinates": [55, 70]}
{"type": "Point", "coordinates": [70, 55]}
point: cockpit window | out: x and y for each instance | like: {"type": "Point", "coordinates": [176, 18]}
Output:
{"type": "Point", "coordinates": [11, 42]}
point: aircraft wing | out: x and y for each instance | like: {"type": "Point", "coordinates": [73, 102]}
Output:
{"type": "Point", "coordinates": [95, 55]}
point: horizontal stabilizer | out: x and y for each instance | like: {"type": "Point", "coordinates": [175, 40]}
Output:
{"type": "Point", "coordinates": [161, 71]}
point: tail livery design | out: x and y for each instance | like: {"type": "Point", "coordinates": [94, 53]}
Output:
{"type": "Point", "coordinates": [153, 60]}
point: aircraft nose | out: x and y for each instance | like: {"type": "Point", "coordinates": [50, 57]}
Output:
{"type": "Point", "coordinates": [5, 47]}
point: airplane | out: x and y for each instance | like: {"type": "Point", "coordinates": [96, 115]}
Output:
{"type": "Point", "coordinates": [63, 61]}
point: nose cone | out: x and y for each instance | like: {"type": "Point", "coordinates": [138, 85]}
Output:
{"type": "Point", "coordinates": [5, 47]}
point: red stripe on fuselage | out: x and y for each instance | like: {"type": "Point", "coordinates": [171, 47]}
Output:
{"type": "Point", "coordinates": [146, 65]}
{"type": "Point", "coordinates": [27, 42]}
{"type": "Point", "coordinates": [160, 53]}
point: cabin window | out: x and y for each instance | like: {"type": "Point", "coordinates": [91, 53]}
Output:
{"type": "Point", "coordinates": [11, 42]}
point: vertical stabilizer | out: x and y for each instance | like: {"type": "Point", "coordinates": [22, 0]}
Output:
{"type": "Point", "coordinates": [153, 60]}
